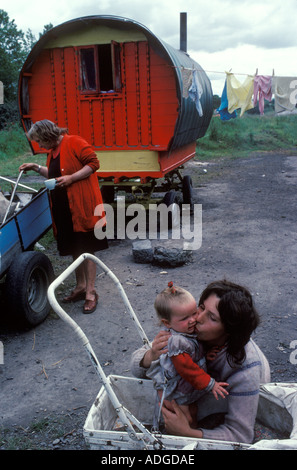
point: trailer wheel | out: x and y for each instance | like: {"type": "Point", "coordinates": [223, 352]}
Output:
{"type": "Point", "coordinates": [27, 282]}
{"type": "Point", "coordinates": [171, 199]}
{"type": "Point", "coordinates": [107, 193]}
{"type": "Point", "coordinates": [188, 191]}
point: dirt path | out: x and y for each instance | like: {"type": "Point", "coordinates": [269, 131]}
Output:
{"type": "Point", "coordinates": [249, 236]}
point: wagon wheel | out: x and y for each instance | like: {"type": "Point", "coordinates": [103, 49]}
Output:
{"type": "Point", "coordinates": [171, 199]}
{"type": "Point", "coordinates": [188, 191]}
{"type": "Point", "coordinates": [26, 283]}
{"type": "Point", "coordinates": [107, 193]}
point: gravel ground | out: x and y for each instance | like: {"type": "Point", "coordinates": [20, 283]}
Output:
{"type": "Point", "coordinates": [249, 236]}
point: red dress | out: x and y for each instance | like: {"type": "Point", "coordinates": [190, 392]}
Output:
{"type": "Point", "coordinates": [73, 207]}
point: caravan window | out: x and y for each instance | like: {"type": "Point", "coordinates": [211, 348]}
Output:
{"type": "Point", "coordinates": [88, 69]}
{"type": "Point", "coordinates": [100, 69]}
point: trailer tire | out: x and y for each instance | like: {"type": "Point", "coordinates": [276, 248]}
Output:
{"type": "Point", "coordinates": [26, 283]}
{"type": "Point", "coordinates": [107, 193]}
{"type": "Point", "coordinates": [188, 191]}
{"type": "Point", "coordinates": [171, 199]}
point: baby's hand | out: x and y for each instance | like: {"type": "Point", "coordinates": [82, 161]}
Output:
{"type": "Point", "coordinates": [218, 389]}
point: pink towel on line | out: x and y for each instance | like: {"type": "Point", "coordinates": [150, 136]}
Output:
{"type": "Point", "coordinates": [263, 88]}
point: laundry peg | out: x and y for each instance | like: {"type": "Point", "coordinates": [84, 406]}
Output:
{"type": "Point", "coordinates": [256, 71]}
{"type": "Point", "coordinates": [273, 72]}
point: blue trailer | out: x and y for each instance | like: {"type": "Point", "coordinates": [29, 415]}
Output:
{"type": "Point", "coordinates": [27, 272]}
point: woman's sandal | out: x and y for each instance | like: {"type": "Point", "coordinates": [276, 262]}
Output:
{"type": "Point", "coordinates": [91, 305]}
{"type": "Point", "coordinates": [75, 297]}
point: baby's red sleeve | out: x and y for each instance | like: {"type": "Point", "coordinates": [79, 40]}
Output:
{"type": "Point", "coordinates": [190, 371]}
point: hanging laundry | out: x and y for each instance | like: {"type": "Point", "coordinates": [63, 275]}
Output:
{"type": "Point", "coordinates": [239, 94]}
{"type": "Point", "coordinates": [284, 89]}
{"type": "Point", "coordinates": [223, 109]}
{"type": "Point", "coordinates": [187, 78]}
{"type": "Point", "coordinates": [262, 90]}
{"type": "Point", "coordinates": [195, 92]}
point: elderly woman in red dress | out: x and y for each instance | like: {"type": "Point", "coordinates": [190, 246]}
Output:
{"type": "Point", "coordinates": [72, 161]}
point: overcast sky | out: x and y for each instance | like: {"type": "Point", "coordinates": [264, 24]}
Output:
{"type": "Point", "coordinates": [242, 35]}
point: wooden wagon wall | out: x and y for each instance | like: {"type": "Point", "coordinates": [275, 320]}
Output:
{"type": "Point", "coordinates": [141, 116]}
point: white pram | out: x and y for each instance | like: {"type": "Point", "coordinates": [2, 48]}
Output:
{"type": "Point", "coordinates": [118, 420]}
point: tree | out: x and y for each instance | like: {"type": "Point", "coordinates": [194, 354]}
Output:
{"type": "Point", "coordinates": [12, 55]}
{"type": "Point", "coordinates": [29, 41]}
{"type": "Point", "coordinates": [46, 28]}
{"type": "Point", "coordinates": [216, 101]}
{"type": "Point", "coordinates": [14, 48]}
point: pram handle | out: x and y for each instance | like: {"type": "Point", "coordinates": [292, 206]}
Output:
{"type": "Point", "coordinates": [124, 415]}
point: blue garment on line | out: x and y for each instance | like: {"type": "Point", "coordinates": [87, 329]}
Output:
{"type": "Point", "coordinates": [195, 92]}
{"type": "Point", "coordinates": [223, 109]}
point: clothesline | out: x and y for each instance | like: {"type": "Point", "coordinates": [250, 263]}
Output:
{"type": "Point", "coordinates": [244, 95]}
{"type": "Point", "coordinates": [220, 71]}
{"type": "Point", "coordinates": [237, 73]}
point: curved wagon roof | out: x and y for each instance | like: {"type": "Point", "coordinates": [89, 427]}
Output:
{"type": "Point", "coordinates": [189, 125]}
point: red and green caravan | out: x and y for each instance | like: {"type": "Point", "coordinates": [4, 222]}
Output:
{"type": "Point", "coordinates": [113, 82]}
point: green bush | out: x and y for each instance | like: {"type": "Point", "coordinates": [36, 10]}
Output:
{"type": "Point", "coordinates": [9, 113]}
{"type": "Point", "coordinates": [13, 142]}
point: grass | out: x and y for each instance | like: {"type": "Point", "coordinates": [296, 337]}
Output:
{"type": "Point", "coordinates": [241, 136]}
{"type": "Point", "coordinates": [13, 142]}
{"type": "Point", "coordinates": [235, 138]}
{"type": "Point", "coordinates": [15, 150]}
{"type": "Point", "coordinates": [224, 139]}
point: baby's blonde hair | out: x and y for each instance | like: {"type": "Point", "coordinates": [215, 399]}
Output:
{"type": "Point", "coordinates": [169, 297]}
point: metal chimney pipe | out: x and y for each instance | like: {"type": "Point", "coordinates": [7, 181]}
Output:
{"type": "Point", "coordinates": [183, 32]}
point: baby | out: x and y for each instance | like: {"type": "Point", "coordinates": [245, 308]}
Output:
{"type": "Point", "coordinates": [180, 374]}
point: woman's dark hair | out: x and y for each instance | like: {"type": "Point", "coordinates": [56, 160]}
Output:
{"type": "Point", "coordinates": [238, 315]}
